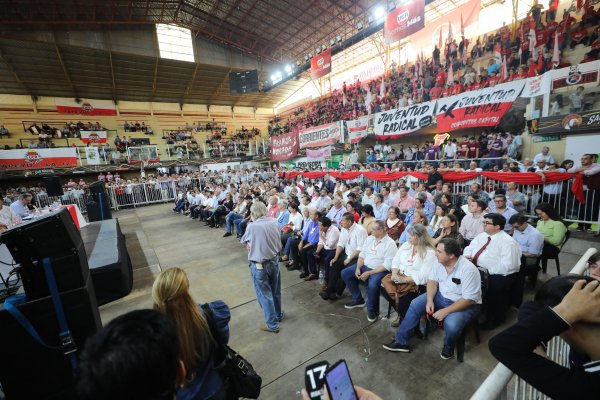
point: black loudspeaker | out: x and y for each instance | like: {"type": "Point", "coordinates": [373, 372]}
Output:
{"type": "Point", "coordinates": [53, 186]}
{"type": "Point", "coordinates": [30, 371]}
{"type": "Point", "coordinates": [98, 192]}
{"type": "Point", "coordinates": [55, 236]}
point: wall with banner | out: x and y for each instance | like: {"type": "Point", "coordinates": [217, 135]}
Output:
{"type": "Point", "coordinates": [405, 20]}
{"type": "Point", "coordinates": [86, 107]}
{"type": "Point", "coordinates": [321, 135]}
{"type": "Point", "coordinates": [284, 147]}
{"type": "Point", "coordinates": [93, 136]}
{"type": "Point", "coordinates": [61, 157]}
{"type": "Point", "coordinates": [320, 65]}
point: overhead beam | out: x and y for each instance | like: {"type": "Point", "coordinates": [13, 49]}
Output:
{"type": "Point", "coordinates": [190, 84]}
{"type": "Point", "coordinates": [63, 66]}
{"type": "Point", "coordinates": [218, 89]}
{"type": "Point", "coordinates": [157, 55]}
{"type": "Point", "coordinates": [9, 66]}
{"type": "Point", "coordinates": [108, 38]}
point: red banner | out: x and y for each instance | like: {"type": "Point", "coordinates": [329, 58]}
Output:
{"type": "Point", "coordinates": [404, 21]}
{"type": "Point", "coordinates": [320, 65]}
{"type": "Point", "coordinates": [284, 147]}
{"type": "Point", "coordinates": [430, 36]}
{"type": "Point", "coordinates": [476, 109]}
{"type": "Point", "coordinates": [38, 158]}
{"type": "Point", "coordinates": [86, 107]}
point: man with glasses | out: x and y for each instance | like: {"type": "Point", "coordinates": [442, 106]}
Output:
{"type": "Point", "coordinates": [500, 254]}
{"type": "Point", "coordinates": [591, 187]}
{"type": "Point", "coordinates": [531, 242]}
{"type": "Point", "coordinates": [594, 266]}
{"type": "Point", "coordinates": [502, 209]}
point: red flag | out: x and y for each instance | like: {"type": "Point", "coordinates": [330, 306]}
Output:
{"type": "Point", "coordinates": [577, 188]}
{"type": "Point", "coordinates": [440, 45]}
{"type": "Point", "coordinates": [579, 4]}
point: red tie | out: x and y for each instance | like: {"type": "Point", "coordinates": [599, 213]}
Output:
{"type": "Point", "coordinates": [481, 250]}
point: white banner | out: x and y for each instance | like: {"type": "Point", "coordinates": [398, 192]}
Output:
{"type": "Point", "coordinates": [319, 154]}
{"type": "Point", "coordinates": [538, 85]}
{"type": "Point", "coordinates": [321, 135]}
{"type": "Point", "coordinates": [392, 124]}
{"type": "Point", "coordinates": [576, 75]}
{"type": "Point", "coordinates": [60, 157]}
{"type": "Point", "coordinates": [92, 155]}
{"type": "Point", "coordinates": [358, 129]}
{"type": "Point", "coordinates": [93, 136]}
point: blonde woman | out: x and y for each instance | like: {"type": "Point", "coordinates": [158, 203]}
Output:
{"type": "Point", "coordinates": [199, 345]}
{"type": "Point", "coordinates": [411, 265]}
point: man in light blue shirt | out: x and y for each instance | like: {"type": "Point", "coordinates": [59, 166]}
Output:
{"type": "Point", "coordinates": [380, 209]}
{"type": "Point", "coordinates": [20, 206]}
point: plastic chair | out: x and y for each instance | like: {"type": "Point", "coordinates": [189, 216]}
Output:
{"type": "Point", "coordinates": [544, 260]}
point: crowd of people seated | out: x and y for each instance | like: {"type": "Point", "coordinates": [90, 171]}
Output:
{"type": "Point", "coordinates": [138, 127]}
{"type": "Point", "coordinates": [413, 235]}
{"type": "Point", "coordinates": [429, 79]}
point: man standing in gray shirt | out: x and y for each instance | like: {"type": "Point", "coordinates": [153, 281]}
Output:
{"type": "Point", "coordinates": [263, 242]}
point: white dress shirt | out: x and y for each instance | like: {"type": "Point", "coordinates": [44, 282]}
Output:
{"type": "Point", "coordinates": [463, 281]}
{"type": "Point", "coordinates": [501, 257]}
{"type": "Point", "coordinates": [376, 253]}
{"type": "Point", "coordinates": [471, 226]}
{"type": "Point", "coordinates": [322, 203]}
{"type": "Point", "coordinates": [352, 239]}
{"type": "Point", "coordinates": [416, 267]}
{"type": "Point", "coordinates": [296, 220]}
{"type": "Point", "coordinates": [531, 240]}
{"type": "Point", "coordinates": [330, 238]}
{"type": "Point", "coordinates": [368, 200]}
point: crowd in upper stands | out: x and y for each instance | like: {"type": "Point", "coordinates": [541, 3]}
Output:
{"type": "Point", "coordinates": [452, 70]}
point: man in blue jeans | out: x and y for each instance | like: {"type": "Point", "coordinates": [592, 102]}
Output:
{"type": "Point", "coordinates": [263, 242]}
{"type": "Point", "coordinates": [374, 262]}
{"type": "Point", "coordinates": [232, 217]}
{"type": "Point", "coordinates": [453, 298]}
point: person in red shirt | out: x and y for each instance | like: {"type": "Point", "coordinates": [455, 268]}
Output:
{"type": "Point", "coordinates": [580, 36]}
{"type": "Point", "coordinates": [541, 35]}
{"type": "Point", "coordinates": [446, 91]}
{"type": "Point", "coordinates": [474, 148]}
{"type": "Point", "coordinates": [478, 84]}
{"type": "Point", "coordinates": [566, 22]}
{"type": "Point", "coordinates": [457, 88]}
{"type": "Point", "coordinates": [463, 147]}
{"type": "Point", "coordinates": [521, 73]}
{"type": "Point", "coordinates": [441, 77]}
{"type": "Point", "coordinates": [435, 92]}
{"type": "Point", "coordinates": [493, 80]}
{"type": "Point", "coordinates": [534, 68]}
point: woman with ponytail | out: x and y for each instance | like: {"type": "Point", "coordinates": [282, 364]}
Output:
{"type": "Point", "coordinates": [199, 344]}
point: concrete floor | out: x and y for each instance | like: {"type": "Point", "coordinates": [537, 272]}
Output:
{"type": "Point", "coordinates": [313, 330]}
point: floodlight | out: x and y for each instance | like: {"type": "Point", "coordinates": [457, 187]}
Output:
{"type": "Point", "coordinates": [391, 6]}
{"type": "Point", "coordinates": [332, 42]}
{"type": "Point", "coordinates": [338, 38]}
{"type": "Point", "coordinates": [359, 26]}
{"type": "Point", "coordinates": [318, 50]}
{"type": "Point", "coordinates": [306, 57]}
{"type": "Point", "coordinates": [323, 47]}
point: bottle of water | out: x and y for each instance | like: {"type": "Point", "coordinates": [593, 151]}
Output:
{"type": "Point", "coordinates": [321, 276]}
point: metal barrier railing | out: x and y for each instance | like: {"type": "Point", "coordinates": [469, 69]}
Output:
{"type": "Point", "coordinates": [496, 384]}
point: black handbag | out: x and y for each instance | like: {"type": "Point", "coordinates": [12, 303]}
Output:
{"type": "Point", "coordinates": [240, 378]}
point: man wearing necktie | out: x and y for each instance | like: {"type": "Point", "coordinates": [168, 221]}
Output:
{"type": "Point", "coordinates": [500, 254]}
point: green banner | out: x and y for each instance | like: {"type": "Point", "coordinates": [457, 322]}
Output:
{"type": "Point", "coordinates": [546, 138]}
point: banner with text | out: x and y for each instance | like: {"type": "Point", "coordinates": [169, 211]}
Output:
{"type": "Point", "coordinates": [430, 36]}
{"type": "Point", "coordinates": [38, 158]}
{"type": "Point", "coordinates": [404, 21]}
{"type": "Point", "coordinates": [358, 129]}
{"type": "Point", "coordinates": [92, 155]}
{"type": "Point", "coordinates": [284, 147]}
{"type": "Point", "coordinates": [393, 124]}
{"type": "Point", "coordinates": [587, 122]}
{"type": "Point", "coordinates": [576, 75]}
{"type": "Point", "coordinates": [538, 85]}
{"type": "Point", "coordinates": [93, 136]}
{"type": "Point", "coordinates": [86, 107]}
{"type": "Point", "coordinates": [319, 136]}
{"type": "Point", "coordinates": [319, 154]}
{"type": "Point", "coordinates": [320, 65]}
{"type": "Point", "coordinates": [478, 108]}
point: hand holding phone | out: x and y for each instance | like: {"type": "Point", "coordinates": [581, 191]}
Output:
{"type": "Point", "coordinates": [339, 383]}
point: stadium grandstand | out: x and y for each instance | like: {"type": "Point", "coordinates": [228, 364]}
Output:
{"type": "Point", "coordinates": [408, 186]}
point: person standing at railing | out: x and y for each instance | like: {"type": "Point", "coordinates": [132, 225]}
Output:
{"type": "Point", "coordinates": [591, 189]}
{"type": "Point", "coordinates": [567, 306]}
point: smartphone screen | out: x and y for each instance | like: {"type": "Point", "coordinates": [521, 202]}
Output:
{"type": "Point", "coordinates": [339, 383]}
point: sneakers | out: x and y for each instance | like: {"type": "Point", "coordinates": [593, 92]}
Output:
{"type": "Point", "coordinates": [372, 316]}
{"type": "Point", "coordinates": [355, 304]}
{"type": "Point", "coordinates": [311, 277]}
{"type": "Point", "coordinates": [264, 327]}
{"type": "Point", "coordinates": [227, 234]}
{"type": "Point", "coordinates": [447, 353]}
{"type": "Point", "coordinates": [324, 295]}
{"type": "Point", "coordinates": [303, 275]}
{"type": "Point", "coordinates": [396, 347]}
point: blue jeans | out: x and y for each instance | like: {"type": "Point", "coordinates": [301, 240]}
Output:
{"type": "Point", "coordinates": [454, 323]}
{"type": "Point", "coordinates": [230, 219]}
{"type": "Point", "coordinates": [373, 284]}
{"type": "Point", "coordinates": [238, 226]}
{"type": "Point", "coordinates": [179, 205]}
{"type": "Point", "coordinates": [267, 285]}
